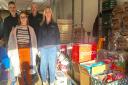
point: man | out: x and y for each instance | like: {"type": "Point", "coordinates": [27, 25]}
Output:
{"type": "Point", "coordinates": [10, 21]}
{"type": "Point", "coordinates": [35, 17]}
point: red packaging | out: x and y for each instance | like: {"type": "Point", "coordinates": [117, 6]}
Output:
{"type": "Point", "coordinates": [79, 54]}
{"type": "Point", "coordinates": [63, 48]}
{"type": "Point", "coordinates": [75, 52]}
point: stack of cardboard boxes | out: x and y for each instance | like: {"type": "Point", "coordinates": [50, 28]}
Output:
{"type": "Point", "coordinates": [82, 53]}
{"type": "Point", "coordinates": [65, 28]}
{"type": "Point", "coordinates": [92, 71]}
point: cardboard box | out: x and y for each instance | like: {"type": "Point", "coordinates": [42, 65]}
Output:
{"type": "Point", "coordinates": [65, 28]}
{"type": "Point", "coordinates": [85, 48]}
{"type": "Point", "coordinates": [83, 52]}
{"type": "Point", "coordinates": [64, 21]}
{"type": "Point", "coordinates": [65, 37]}
{"type": "Point", "coordinates": [98, 69]}
{"type": "Point", "coordinates": [84, 77]}
{"type": "Point", "coordinates": [85, 56]}
{"type": "Point", "coordinates": [81, 75]}
{"type": "Point", "coordinates": [76, 72]}
{"type": "Point", "coordinates": [93, 67]}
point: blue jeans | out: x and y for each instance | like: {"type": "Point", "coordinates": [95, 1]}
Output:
{"type": "Point", "coordinates": [48, 63]}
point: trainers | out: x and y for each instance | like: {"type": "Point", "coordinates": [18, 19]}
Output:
{"type": "Point", "coordinates": [52, 83]}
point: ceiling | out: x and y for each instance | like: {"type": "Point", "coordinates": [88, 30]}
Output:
{"type": "Point", "coordinates": [23, 4]}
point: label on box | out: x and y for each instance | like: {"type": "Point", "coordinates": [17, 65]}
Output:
{"type": "Point", "coordinates": [85, 48]}
{"type": "Point", "coordinates": [85, 56]}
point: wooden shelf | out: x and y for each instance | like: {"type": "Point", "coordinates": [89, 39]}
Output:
{"type": "Point", "coordinates": [107, 10]}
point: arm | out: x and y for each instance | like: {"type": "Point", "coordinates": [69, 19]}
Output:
{"type": "Point", "coordinates": [57, 35]}
{"type": "Point", "coordinates": [5, 31]}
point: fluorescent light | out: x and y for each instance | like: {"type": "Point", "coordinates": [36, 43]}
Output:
{"type": "Point", "coordinates": [41, 1]}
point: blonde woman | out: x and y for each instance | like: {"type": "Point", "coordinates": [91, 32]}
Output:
{"type": "Point", "coordinates": [22, 50]}
{"type": "Point", "coordinates": [48, 40]}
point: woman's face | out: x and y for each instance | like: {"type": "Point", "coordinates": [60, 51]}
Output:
{"type": "Point", "coordinates": [48, 15]}
{"type": "Point", "coordinates": [23, 19]}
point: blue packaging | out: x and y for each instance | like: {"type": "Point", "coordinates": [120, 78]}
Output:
{"type": "Point", "coordinates": [4, 59]}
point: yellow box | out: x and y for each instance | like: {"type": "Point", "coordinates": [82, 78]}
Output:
{"type": "Point", "coordinates": [98, 69]}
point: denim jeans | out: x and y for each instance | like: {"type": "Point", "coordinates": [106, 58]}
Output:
{"type": "Point", "coordinates": [48, 63]}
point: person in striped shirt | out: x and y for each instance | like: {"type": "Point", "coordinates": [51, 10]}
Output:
{"type": "Point", "coordinates": [22, 50]}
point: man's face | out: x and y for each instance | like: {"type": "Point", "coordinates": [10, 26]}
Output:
{"type": "Point", "coordinates": [12, 8]}
{"type": "Point", "coordinates": [34, 8]}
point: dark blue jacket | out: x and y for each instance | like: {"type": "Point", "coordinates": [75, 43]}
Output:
{"type": "Point", "coordinates": [48, 34]}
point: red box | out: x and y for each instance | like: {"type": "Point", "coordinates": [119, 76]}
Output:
{"type": "Point", "coordinates": [83, 52]}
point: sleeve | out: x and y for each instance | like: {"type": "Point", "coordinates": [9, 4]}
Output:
{"type": "Point", "coordinates": [34, 38]}
{"type": "Point", "coordinates": [5, 34]}
{"type": "Point", "coordinates": [1, 29]}
{"type": "Point", "coordinates": [57, 37]}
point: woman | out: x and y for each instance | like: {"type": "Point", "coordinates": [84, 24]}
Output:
{"type": "Point", "coordinates": [48, 39]}
{"type": "Point", "coordinates": [22, 50]}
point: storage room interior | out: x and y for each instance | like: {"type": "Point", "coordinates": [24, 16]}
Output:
{"type": "Point", "coordinates": [93, 48]}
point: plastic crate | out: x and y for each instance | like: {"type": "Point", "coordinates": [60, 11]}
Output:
{"type": "Point", "coordinates": [123, 81]}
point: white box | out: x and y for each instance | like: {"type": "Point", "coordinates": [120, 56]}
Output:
{"type": "Point", "coordinates": [61, 78]}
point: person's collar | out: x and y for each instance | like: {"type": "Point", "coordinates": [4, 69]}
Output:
{"type": "Point", "coordinates": [35, 14]}
{"type": "Point", "coordinates": [14, 16]}
{"type": "Point", "coordinates": [49, 22]}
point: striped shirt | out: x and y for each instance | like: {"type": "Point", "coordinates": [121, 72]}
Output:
{"type": "Point", "coordinates": [23, 37]}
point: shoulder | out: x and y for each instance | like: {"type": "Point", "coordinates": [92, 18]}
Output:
{"type": "Point", "coordinates": [14, 29]}
{"type": "Point", "coordinates": [39, 14]}
{"type": "Point", "coordinates": [30, 27]}
{"type": "Point", "coordinates": [6, 18]}
{"type": "Point", "coordinates": [30, 14]}
{"type": "Point", "coordinates": [54, 24]}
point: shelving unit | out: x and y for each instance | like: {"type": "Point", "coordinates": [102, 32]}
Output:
{"type": "Point", "coordinates": [107, 7]}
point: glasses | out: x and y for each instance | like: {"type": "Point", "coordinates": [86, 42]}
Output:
{"type": "Point", "coordinates": [23, 17]}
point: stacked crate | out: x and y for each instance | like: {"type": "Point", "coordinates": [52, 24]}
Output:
{"type": "Point", "coordinates": [109, 4]}
{"type": "Point", "coordinates": [107, 7]}
{"type": "Point", "coordinates": [65, 28]}
{"type": "Point", "coordinates": [119, 38]}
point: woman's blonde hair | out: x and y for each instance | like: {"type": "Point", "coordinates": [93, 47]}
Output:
{"type": "Point", "coordinates": [44, 13]}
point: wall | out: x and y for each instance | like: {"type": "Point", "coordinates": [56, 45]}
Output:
{"type": "Point", "coordinates": [90, 11]}
{"type": "Point", "coordinates": [77, 13]}
{"type": "Point", "coordinates": [4, 13]}
{"type": "Point", "coordinates": [64, 9]}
